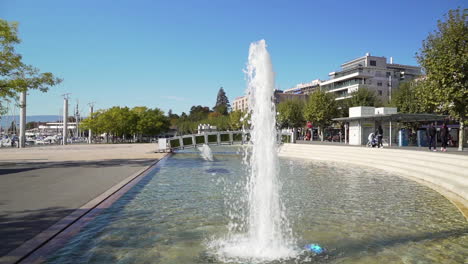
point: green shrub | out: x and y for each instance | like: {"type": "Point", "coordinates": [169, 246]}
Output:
{"type": "Point", "coordinates": [187, 141]}
{"type": "Point", "coordinates": [224, 137]}
{"type": "Point", "coordinates": [237, 137]}
{"type": "Point", "coordinates": [175, 143]}
{"type": "Point", "coordinates": [200, 139]}
{"type": "Point", "coordinates": [212, 138]}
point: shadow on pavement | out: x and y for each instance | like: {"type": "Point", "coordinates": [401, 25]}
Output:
{"type": "Point", "coordinates": [24, 225]}
{"type": "Point", "coordinates": [9, 168]}
{"type": "Point", "coordinates": [19, 226]}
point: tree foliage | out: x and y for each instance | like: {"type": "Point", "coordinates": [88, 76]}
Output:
{"type": "Point", "coordinates": [222, 105]}
{"type": "Point", "coordinates": [233, 121]}
{"type": "Point", "coordinates": [361, 97]}
{"type": "Point", "coordinates": [406, 98]}
{"type": "Point", "coordinates": [123, 121]}
{"type": "Point", "coordinates": [16, 76]}
{"type": "Point", "coordinates": [198, 113]}
{"type": "Point", "coordinates": [238, 120]}
{"type": "Point", "coordinates": [444, 58]}
{"type": "Point", "coordinates": [152, 122]}
{"type": "Point", "coordinates": [291, 113]}
{"type": "Point", "coordinates": [320, 109]}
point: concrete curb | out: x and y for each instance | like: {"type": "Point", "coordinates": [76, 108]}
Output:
{"type": "Point", "coordinates": [23, 253]}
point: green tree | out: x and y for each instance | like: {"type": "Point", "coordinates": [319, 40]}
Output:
{"type": "Point", "coordinates": [186, 126]}
{"type": "Point", "coordinates": [406, 98]}
{"type": "Point", "coordinates": [198, 113]}
{"type": "Point", "coordinates": [236, 120]}
{"type": "Point", "coordinates": [320, 109]}
{"type": "Point", "coordinates": [15, 76]}
{"type": "Point", "coordinates": [363, 97]}
{"type": "Point", "coordinates": [291, 114]}
{"type": "Point", "coordinates": [124, 121]}
{"type": "Point", "coordinates": [91, 123]}
{"type": "Point", "coordinates": [172, 115]}
{"type": "Point", "coordinates": [152, 122]}
{"type": "Point", "coordinates": [444, 58]}
{"type": "Point", "coordinates": [222, 105]}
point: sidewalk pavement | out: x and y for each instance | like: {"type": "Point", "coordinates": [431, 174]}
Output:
{"type": "Point", "coordinates": [39, 186]}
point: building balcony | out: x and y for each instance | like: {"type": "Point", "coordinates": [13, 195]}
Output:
{"type": "Point", "coordinates": [351, 85]}
{"type": "Point", "coordinates": [345, 92]}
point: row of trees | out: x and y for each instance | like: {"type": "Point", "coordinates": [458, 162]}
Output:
{"type": "Point", "coordinates": [321, 108]}
{"type": "Point", "coordinates": [123, 122]}
{"type": "Point", "coordinates": [219, 116]}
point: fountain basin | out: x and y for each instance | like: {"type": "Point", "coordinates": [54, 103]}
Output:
{"type": "Point", "coordinates": [359, 214]}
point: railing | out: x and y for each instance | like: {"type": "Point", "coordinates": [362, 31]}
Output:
{"type": "Point", "coordinates": [216, 138]}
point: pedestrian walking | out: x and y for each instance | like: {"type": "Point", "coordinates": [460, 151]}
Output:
{"type": "Point", "coordinates": [431, 136]}
{"type": "Point", "coordinates": [444, 137]}
{"type": "Point", "coordinates": [379, 133]}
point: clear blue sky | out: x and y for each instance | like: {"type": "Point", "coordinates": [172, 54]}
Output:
{"type": "Point", "coordinates": [175, 54]}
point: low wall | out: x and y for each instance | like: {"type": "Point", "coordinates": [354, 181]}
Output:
{"type": "Point", "coordinates": [443, 172]}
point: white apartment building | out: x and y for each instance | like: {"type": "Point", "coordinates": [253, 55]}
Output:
{"type": "Point", "coordinates": [371, 72]}
{"type": "Point", "coordinates": [240, 103]}
{"type": "Point", "coordinates": [304, 88]}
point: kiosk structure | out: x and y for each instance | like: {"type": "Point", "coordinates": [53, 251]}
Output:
{"type": "Point", "coordinates": [364, 120]}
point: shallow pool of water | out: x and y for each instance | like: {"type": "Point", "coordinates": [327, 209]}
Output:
{"type": "Point", "coordinates": [360, 215]}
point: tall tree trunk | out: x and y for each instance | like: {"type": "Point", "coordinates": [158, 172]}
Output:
{"type": "Point", "coordinates": [461, 137]}
{"type": "Point", "coordinates": [320, 131]}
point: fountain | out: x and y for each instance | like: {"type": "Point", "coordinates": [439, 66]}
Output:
{"type": "Point", "coordinates": [205, 152]}
{"type": "Point", "coordinates": [187, 211]}
{"type": "Point", "coordinates": [268, 235]}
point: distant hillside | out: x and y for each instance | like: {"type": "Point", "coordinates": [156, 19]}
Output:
{"type": "Point", "coordinates": [6, 120]}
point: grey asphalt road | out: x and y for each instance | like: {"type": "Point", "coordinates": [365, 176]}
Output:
{"type": "Point", "coordinates": [34, 196]}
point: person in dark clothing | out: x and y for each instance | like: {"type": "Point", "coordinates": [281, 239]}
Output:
{"type": "Point", "coordinates": [379, 134]}
{"type": "Point", "coordinates": [431, 136]}
{"type": "Point", "coordinates": [444, 133]}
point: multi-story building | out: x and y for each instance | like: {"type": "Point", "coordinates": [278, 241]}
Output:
{"type": "Point", "coordinates": [304, 88]}
{"type": "Point", "coordinates": [371, 72]}
{"type": "Point", "coordinates": [240, 103]}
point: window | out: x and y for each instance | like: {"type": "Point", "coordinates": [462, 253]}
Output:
{"type": "Point", "coordinates": [389, 74]}
{"type": "Point", "coordinates": [379, 83]}
{"type": "Point", "coordinates": [380, 92]}
{"type": "Point", "coordinates": [373, 63]}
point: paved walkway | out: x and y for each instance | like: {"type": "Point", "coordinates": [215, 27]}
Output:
{"type": "Point", "coordinates": [451, 150]}
{"type": "Point", "coordinates": [39, 186]}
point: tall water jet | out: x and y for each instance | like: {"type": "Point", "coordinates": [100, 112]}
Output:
{"type": "Point", "coordinates": [267, 233]}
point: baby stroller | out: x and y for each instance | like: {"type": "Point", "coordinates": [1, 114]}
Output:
{"type": "Point", "coordinates": [371, 140]}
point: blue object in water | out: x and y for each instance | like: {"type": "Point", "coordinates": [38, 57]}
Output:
{"type": "Point", "coordinates": [317, 249]}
